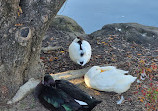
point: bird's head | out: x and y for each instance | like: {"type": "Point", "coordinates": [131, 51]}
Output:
{"type": "Point", "coordinates": [78, 39]}
{"type": "Point", "coordinates": [93, 71]}
{"type": "Point", "coordinates": [96, 69]}
{"type": "Point", "coordinates": [48, 81]}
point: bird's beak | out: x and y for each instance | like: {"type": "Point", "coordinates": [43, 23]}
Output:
{"type": "Point", "coordinates": [103, 70]}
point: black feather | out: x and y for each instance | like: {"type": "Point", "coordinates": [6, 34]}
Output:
{"type": "Point", "coordinates": [81, 54]}
{"type": "Point", "coordinates": [55, 99]}
{"type": "Point", "coordinates": [80, 43]}
{"type": "Point", "coordinates": [77, 93]}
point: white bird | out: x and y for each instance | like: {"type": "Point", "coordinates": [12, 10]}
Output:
{"type": "Point", "coordinates": [80, 51]}
{"type": "Point", "coordinates": [108, 79]}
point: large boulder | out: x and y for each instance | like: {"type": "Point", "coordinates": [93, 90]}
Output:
{"type": "Point", "coordinates": [66, 24]}
{"type": "Point", "coordinates": [62, 29]}
{"type": "Point", "coordinates": [132, 32]}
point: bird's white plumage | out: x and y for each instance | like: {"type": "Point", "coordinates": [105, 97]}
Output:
{"type": "Point", "coordinates": [81, 102]}
{"type": "Point", "coordinates": [111, 80]}
{"type": "Point", "coordinates": [75, 52]}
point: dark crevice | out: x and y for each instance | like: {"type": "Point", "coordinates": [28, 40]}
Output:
{"type": "Point", "coordinates": [25, 32]}
{"type": "Point", "coordinates": [21, 3]}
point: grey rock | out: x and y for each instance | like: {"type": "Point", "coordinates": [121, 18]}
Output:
{"type": "Point", "coordinates": [62, 28]}
{"type": "Point", "coordinates": [67, 24]}
{"type": "Point", "coordinates": [132, 32]}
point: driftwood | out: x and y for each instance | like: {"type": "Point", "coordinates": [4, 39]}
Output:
{"type": "Point", "coordinates": [50, 48]}
{"type": "Point", "coordinates": [29, 86]}
{"type": "Point", "coordinates": [72, 74]}
{"type": "Point", "coordinates": [24, 90]}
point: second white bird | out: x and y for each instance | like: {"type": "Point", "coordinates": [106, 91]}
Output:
{"type": "Point", "coordinates": [80, 51]}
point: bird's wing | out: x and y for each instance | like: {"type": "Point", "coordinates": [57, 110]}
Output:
{"type": "Point", "coordinates": [122, 71]}
{"type": "Point", "coordinates": [73, 90]}
{"type": "Point", "coordinates": [86, 47]}
{"type": "Point", "coordinates": [53, 98]}
{"type": "Point", "coordinates": [77, 94]}
{"type": "Point", "coordinates": [105, 80]}
{"type": "Point", "coordinates": [59, 98]}
{"type": "Point", "coordinates": [69, 87]}
{"type": "Point", "coordinates": [74, 50]}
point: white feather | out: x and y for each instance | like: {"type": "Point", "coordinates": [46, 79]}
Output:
{"type": "Point", "coordinates": [81, 102]}
{"type": "Point", "coordinates": [75, 52]}
{"type": "Point", "coordinates": [121, 100]}
{"type": "Point", "coordinates": [111, 80]}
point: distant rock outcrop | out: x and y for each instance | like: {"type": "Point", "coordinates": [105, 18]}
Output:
{"type": "Point", "coordinates": [67, 28]}
{"type": "Point", "coordinates": [61, 29]}
{"type": "Point", "coordinates": [132, 32]}
{"type": "Point", "coordinates": [67, 24]}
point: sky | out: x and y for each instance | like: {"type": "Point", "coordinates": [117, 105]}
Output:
{"type": "Point", "coordinates": [92, 15]}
